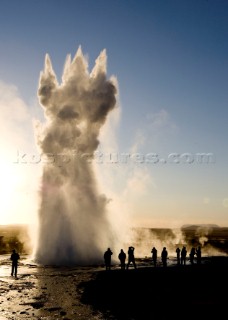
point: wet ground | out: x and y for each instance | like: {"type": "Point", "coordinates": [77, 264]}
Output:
{"type": "Point", "coordinates": [43, 292]}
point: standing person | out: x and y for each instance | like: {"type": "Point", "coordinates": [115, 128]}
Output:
{"type": "Point", "coordinates": [183, 255]}
{"type": "Point", "coordinates": [164, 256]}
{"type": "Point", "coordinates": [192, 255]}
{"type": "Point", "coordinates": [131, 257]}
{"type": "Point", "coordinates": [107, 258]}
{"type": "Point", "coordinates": [198, 255]}
{"type": "Point", "coordinates": [122, 258]}
{"type": "Point", "coordinates": [154, 256]}
{"type": "Point", "coordinates": [178, 255]}
{"type": "Point", "coordinates": [14, 258]}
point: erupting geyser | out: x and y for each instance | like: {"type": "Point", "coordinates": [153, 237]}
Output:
{"type": "Point", "coordinates": [73, 224]}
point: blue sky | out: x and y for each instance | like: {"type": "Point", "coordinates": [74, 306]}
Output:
{"type": "Point", "coordinates": [171, 61]}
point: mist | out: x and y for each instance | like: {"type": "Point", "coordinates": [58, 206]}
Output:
{"type": "Point", "coordinates": [211, 238]}
{"type": "Point", "coordinates": [73, 224]}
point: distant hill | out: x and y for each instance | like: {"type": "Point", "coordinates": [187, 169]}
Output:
{"type": "Point", "coordinates": [193, 226]}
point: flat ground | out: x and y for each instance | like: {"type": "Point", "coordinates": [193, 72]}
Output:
{"type": "Point", "coordinates": [90, 292]}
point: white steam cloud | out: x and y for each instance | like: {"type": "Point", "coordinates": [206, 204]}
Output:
{"type": "Point", "coordinates": [73, 223]}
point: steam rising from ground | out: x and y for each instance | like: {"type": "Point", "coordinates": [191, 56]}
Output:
{"type": "Point", "coordinates": [212, 239]}
{"type": "Point", "coordinates": [73, 224]}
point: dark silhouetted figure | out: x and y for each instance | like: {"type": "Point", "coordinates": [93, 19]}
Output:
{"type": "Point", "coordinates": [107, 258]}
{"type": "Point", "coordinates": [131, 257]}
{"type": "Point", "coordinates": [198, 255]}
{"type": "Point", "coordinates": [154, 256]}
{"type": "Point", "coordinates": [164, 256]}
{"type": "Point", "coordinates": [192, 255]}
{"type": "Point", "coordinates": [14, 258]}
{"type": "Point", "coordinates": [122, 258]}
{"type": "Point", "coordinates": [178, 255]}
{"type": "Point", "coordinates": [183, 255]}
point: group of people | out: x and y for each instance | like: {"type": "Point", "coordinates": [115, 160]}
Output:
{"type": "Point", "coordinates": [181, 255]}
{"type": "Point", "coordinates": [122, 257]}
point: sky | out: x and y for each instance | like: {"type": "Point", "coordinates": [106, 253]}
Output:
{"type": "Point", "coordinates": [164, 148]}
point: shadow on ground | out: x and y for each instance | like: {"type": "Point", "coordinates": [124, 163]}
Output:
{"type": "Point", "coordinates": [148, 292]}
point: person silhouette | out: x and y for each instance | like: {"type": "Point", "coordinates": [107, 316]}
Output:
{"type": "Point", "coordinates": [183, 255]}
{"type": "Point", "coordinates": [131, 257]}
{"type": "Point", "coordinates": [164, 256]}
{"type": "Point", "coordinates": [122, 258]}
{"type": "Point", "coordinates": [14, 258]}
{"type": "Point", "coordinates": [198, 255]}
{"type": "Point", "coordinates": [107, 258]}
{"type": "Point", "coordinates": [192, 255]}
{"type": "Point", "coordinates": [154, 256]}
{"type": "Point", "coordinates": [178, 255]}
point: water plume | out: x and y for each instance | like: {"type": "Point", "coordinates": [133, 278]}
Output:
{"type": "Point", "coordinates": [73, 223]}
